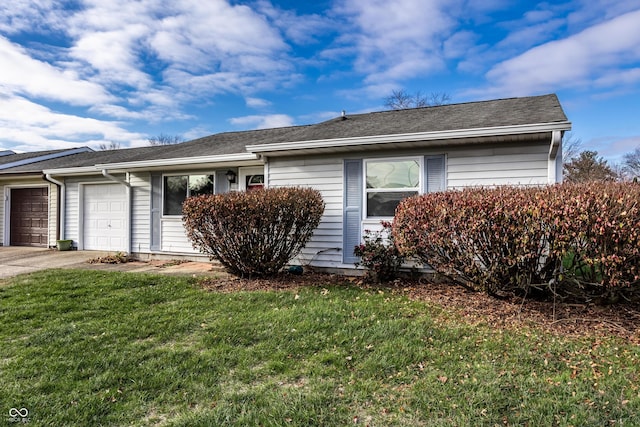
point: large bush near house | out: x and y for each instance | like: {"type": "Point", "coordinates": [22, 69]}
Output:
{"type": "Point", "coordinates": [253, 233]}
{"type": "Point", "coordinates": [579, 240]}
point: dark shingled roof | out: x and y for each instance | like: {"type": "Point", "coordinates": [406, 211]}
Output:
{"type": "Point", "coordinates": [470, 115]}
{"type": "Point", "coordinates": [464, 116]}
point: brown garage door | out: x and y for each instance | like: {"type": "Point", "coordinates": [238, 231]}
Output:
{"type": "Point", "coordinates": [29, 217]}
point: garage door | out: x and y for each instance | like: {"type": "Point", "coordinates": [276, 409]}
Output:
{"type": "Point", "coordinates": [105, 218]}
{"type": "Point", "coordinates": [29, 217]}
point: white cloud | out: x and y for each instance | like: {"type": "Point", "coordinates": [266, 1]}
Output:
{"type": "Point", "coordinates": [596, 53]}
{"type": "Point", "coordinates": [203, 35]}
{"type": "Point", "coordinates": [257, 102]}
{"type": "Point", "coordinates": [396, 41]}
{"type": "Point", "coordinates": [614, 147]}
{"type": "Point", "coordinates": [145, 60]}
{"type": "Point", "coordinates": [113, 56]}
{"type": "Point", "coordinates": [21, 15]}
{"type": "Point", "coordinates": [300, 29]}
{"type": "Point", "coordinates": [263, 121]}
{"type": "Point", "coordinates": [24, 75]}
{"type": "Point", "coordinates": [32, 127]}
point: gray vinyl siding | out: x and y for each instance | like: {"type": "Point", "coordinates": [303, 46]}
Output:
{"type": "Point", "coordinates": [140, 208]}
{"type": "Point", "coordinates": [53, 214]}
{"type": "Point", "coordinates": [325, 175]}
{"type": "Point", "coordinates": [499, 165]}
{"type": "Point", "coordinates": [174, 237]}
{"type": "Point", "coordinates": [72, 211]}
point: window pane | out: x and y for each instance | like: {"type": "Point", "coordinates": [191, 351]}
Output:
{"type": "Point", "coordinates": [254, 182]}
{"type": "Point", "coordinates": [393, 174]}
{"type": "Point", "coordinates": [200, 184]}
{"type": "Point", "coordinates": [175, 191]}
{"type": "Point", "coordinates": [384, 204]}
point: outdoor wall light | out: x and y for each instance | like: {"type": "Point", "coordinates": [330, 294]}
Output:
{"type": "Point", "coordinates": [231, 176]}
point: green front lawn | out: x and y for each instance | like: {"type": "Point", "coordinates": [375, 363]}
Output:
{"type": "Point", "coordinates": [90, 348]}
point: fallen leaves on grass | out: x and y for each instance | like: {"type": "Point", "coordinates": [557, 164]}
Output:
{"type": "Point", "coordinates": [575, 320]}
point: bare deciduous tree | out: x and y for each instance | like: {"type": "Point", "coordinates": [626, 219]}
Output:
{"type": "Point", "coordinates": [401, 99]}
{"type": "Point", "coordinates": [631, 163]}
{"type": "Point", "coordinates": [110, 146]}
{"type": "Point", "coordinates": [163, 139]}
{"type": "Point", "coordinates": [571, 146]}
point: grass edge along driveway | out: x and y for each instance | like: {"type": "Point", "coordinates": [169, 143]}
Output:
{"type": "Point", "coordinates": [95, 348]}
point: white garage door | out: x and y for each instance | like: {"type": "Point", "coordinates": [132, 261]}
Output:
{"type": "Point", "coordinates": [105, 217]}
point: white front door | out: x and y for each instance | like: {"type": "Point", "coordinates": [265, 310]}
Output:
{"type": "Point", "coordinates": [105, 217]}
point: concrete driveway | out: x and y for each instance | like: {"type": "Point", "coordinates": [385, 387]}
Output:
{"type": "Point", "coordinates": [16, 260]}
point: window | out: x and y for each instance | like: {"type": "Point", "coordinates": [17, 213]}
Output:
{"type": "Point", "coordinates": [178, 187]}
{"type": "Point", "coordinates": [387, 182]}
{"type": "Point", "coordinates": [254, 182]}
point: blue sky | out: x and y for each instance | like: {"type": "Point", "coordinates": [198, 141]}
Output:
{"type": "Point", "coordinates": [86, 72]}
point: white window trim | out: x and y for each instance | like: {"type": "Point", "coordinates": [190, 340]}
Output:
{"type": "Point", "coordinates": [365, 190]}
{"type": "Point", "coordinates": [244, 172]}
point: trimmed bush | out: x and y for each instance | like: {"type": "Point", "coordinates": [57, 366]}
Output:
{"type": "Point", "coordinates": [379, 255]}
{"type": "Point", "coordinates": [253, 233]}
{"type": "Point", "coordinates": [599, 237]}
{"type": "Point", "coordinates": [579, 240]}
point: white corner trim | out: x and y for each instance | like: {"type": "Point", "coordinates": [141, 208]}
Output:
{"type": "Point", "coordinates": [409, 137]}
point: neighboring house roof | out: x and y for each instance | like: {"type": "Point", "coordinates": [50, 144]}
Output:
{"type": "Point", "coordinates": [527, 117]}
{"type": "Point", "coordinates": [15, 160]}
{"type": "Point", "coordinates": [87, 158]}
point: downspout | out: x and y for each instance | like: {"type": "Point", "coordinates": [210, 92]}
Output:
{"type": "Point", "coordinates": [61, 205]}
{"type": "Point", "coordinates": [106, 174]}
{"type": "Point", "coordinates": [555, 158]}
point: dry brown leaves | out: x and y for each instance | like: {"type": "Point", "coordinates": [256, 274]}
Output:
{"type": "Point", "coordinates": [573, 320]}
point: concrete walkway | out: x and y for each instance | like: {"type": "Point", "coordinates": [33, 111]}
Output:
{"type": "Point", "coordinates": [16, 260]}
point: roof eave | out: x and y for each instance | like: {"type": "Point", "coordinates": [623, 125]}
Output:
{"type": "Point", "coordinates": [151, 164]}
{"type": "Point", "coordinates": [81, 170]}
{"type": "Point", "coordinates": [223, 158]}
{"type": "Point", "coordinates": [409, 137]}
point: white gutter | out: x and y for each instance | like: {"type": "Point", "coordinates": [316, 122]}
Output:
{"type": "Point", "coordinates": [556, 139]}
{"type": "Point", "coordinates": [181, 161]}
{"type": "Point", "coordinates": [410, 137]}
{"type": "Point", "coordinates": [63, 197]}
{"type": "Point", "coordinates": [81, 170]}
{"type": "Point", "coordinates": [554, 163]}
